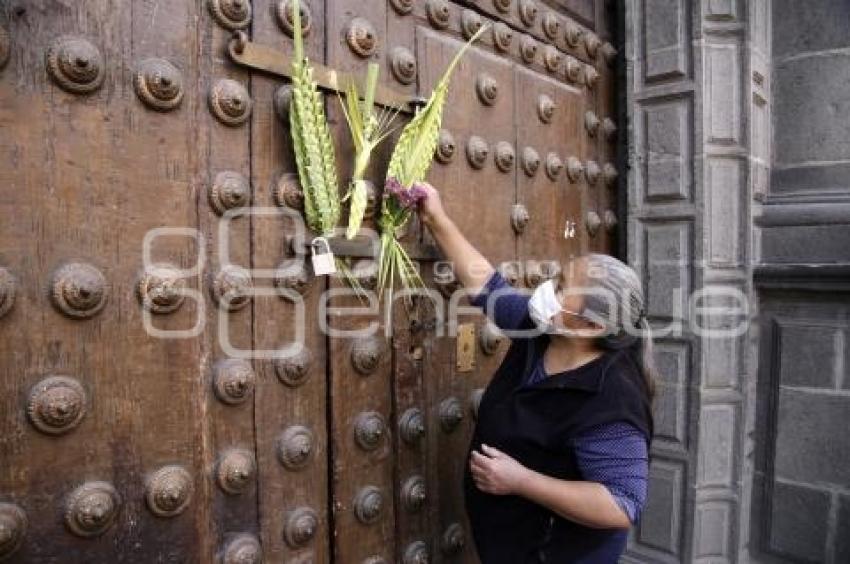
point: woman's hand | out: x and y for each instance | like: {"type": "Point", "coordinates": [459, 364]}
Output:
{"type": "Point", "coordinates": [495, 472]}
{"type": "Point", "coordinates": [431, 207]}
{"type": "Point", "coordinates": [587, 503]}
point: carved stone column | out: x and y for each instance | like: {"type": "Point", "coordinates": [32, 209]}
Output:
{"type": "Point", "coordinates": [696, 138]}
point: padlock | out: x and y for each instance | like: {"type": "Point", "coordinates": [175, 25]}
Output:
{"type": "Point", "coordinates": [323, 259]}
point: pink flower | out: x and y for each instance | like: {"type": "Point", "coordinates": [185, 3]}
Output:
{"type": "Point", "coordinates": [407, 198]}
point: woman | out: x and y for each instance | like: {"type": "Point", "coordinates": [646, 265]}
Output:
{"type": "Point", "coordinates": [557, 466]}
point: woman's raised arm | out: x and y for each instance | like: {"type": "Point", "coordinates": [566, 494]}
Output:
{"type": "Point", "coordinates": [470, 266]}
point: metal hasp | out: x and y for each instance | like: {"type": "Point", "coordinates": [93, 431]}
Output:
{"type": "Point", "coordinates": [367, 247]}
{"type": "Point", "coordinates": [261, 57]}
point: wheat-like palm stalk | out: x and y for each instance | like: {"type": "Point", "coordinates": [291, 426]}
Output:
{"type": "Point", "coordinates": [368, 129]}
{"type": "Point", "coordinates": [311, 140]}
{"type": "Point", "coordinates": [409, 164]}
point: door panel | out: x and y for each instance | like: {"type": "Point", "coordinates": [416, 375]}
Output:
{"type": "Point", "coordinates": [227, 430]}
{"type": "Point", "coordinates": [361, 439]}
{"type": "Point", "coordinates": [72, 194]}
{"type": "Point", "coordinates": [415, 480]}
{"type": "Point", "coordinates": [224, 442]}
{"type": "Point", "coordinates": [472, 177]}
{"type": "Point", "coordinates": [290, 406]}
{"type": "Point", "coordinates": [547, 120]}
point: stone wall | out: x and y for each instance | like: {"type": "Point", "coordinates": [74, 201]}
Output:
{"type": "Point", "coordinates": [738, 122]}
{"type": "Point", "coordinates": [801, 485]}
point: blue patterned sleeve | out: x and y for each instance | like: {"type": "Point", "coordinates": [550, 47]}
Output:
{"type": "Point", "coordinates": [503, 304]}
{"type": "Point", "coordinates": [615, 455]}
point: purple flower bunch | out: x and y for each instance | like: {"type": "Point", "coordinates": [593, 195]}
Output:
{"type": "Point", "coordinates": [407, 198]}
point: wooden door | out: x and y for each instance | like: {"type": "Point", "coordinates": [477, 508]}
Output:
{"type": "Point", "coordinates": [116, 444]}
{"type": "Point", "coordinates": [151, 274]}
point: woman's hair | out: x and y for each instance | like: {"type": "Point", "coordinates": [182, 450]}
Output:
{"type": "Point", "coordinates": [614, 297]}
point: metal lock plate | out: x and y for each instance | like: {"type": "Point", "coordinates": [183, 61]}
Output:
{"type": "Point", "coordinates": [323, 258]}
{"type": "Point", "coordinates": [465, 347]}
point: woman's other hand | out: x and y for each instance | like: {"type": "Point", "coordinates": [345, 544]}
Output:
{"type": "Point", "coordinates": [495, 472]}
{"type": "Point", "coordinates": [588, 503]}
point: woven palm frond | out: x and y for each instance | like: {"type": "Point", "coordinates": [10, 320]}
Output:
{"type": "Point", "coordinates": [357, 207]}
{"type": "Point", "coordinates": [313, 147]}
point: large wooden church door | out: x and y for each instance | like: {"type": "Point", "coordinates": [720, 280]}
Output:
{"type": "Point", "coordinates": [151, 273]}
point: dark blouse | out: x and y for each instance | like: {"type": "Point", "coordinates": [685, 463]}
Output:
{"type": "Point", "coordinates": [612, 454]}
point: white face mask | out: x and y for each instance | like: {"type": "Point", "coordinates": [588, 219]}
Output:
{"type": "Point", "coordinates": [543, 306]}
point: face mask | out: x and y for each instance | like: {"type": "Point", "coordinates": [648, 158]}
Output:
{"type": "Point", "coordinates": [543, 306]}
